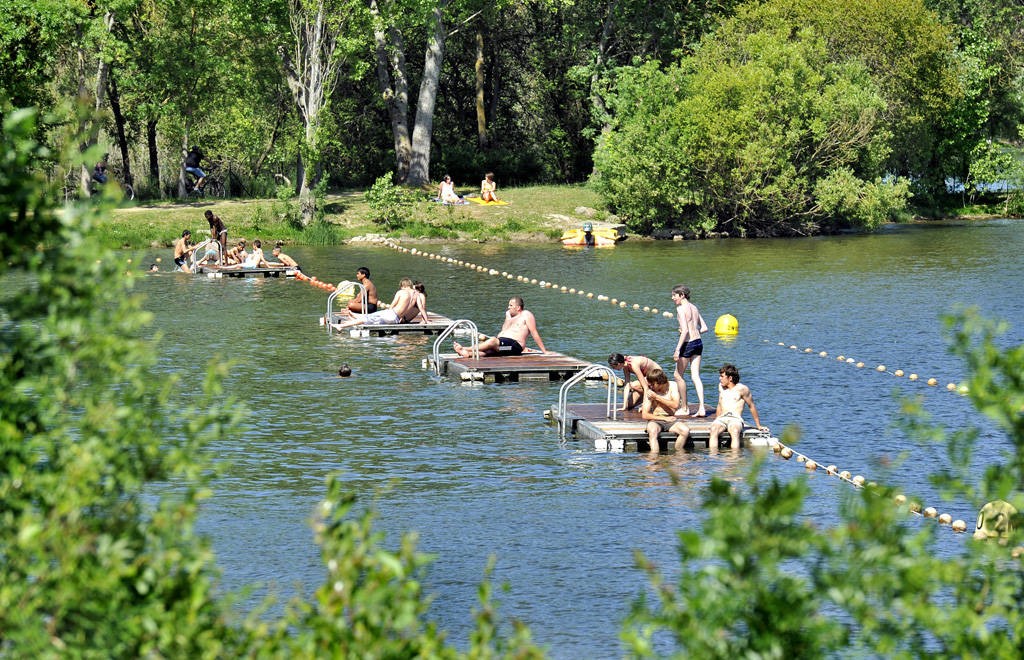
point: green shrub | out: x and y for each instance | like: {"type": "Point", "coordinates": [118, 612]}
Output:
{"type": "Point", "coordinates": [391, 205]}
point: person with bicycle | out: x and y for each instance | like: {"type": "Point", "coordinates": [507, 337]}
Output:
{"type": "Point", "coordinates": [192, 160]}
{"type": "Point", "coordinates": [99, 171]}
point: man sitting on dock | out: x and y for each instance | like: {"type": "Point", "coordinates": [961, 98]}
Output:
{"type": "Point", "coordinates": [511, 339]}
{"type": "Point", "coordinates": [661, 398]}
{"type": "Point", "coordinates": [630, 365]}
{"type": "Point", "coordinates": [356, 304]}
{"type": "Point", "coordinates": [732, 394]}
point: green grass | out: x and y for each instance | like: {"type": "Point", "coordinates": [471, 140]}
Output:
{"type": "Point", "coordinates": [534, 213]}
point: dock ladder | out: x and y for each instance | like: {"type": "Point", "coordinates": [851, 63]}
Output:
{"type": "Point", "coordinates": [207, 253]}
{"type": "Point", "coordinates": [611, 405]}
{"type": "Point", "coordinates": [341, 288]}
{"type": "Point", "coordinates": [467, 327]}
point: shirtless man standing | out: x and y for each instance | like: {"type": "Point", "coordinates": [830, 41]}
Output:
{"type": "Point", "coordinates": [404, 301]}
{"type": "Point", "coordinates": [356, 304]}
{"type": "Point", "coordinates": [732, 394]}
{"type": "Point", "coordinates": [182, 248]}
{"type": "Point", "coordinates": [511, 339]}
{"type": "Point", "coordinates": [689, 348]}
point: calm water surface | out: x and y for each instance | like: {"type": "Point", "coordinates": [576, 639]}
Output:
{"type": "Point", "coordinates": [476, 471]}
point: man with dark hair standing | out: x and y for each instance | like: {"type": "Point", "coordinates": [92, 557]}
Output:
{"type": "Point", "coordinates": [219, 233]}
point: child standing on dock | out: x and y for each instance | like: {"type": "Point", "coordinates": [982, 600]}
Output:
{"type": "Point", "coordinates": [689, 348]}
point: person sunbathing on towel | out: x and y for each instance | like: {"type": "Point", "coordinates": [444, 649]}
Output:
{"type": "Point", "coordinates": [487, 188]}
{"type": "Point", "coordinates": [511, 340]}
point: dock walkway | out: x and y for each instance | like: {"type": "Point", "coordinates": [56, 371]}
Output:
{"type": "Point", "coordinates": [213, 270]}
{"type": "Point", "coordinates": [511, 368]}
{"type": "Point", "coordinates": [436, 325]}
{"type": "Point", "coordinates": [589, 421]}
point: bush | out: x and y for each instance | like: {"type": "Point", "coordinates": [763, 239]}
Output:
{"type": "Point", "coordinates": [391, 205]}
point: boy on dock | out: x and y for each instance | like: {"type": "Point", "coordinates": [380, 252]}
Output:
{"type": "Point", "coordinates": [661, 398]}
{"type": "Point", "coordinates": [630, 365]}
{"type": "Point", "coordinates": [732, 395]}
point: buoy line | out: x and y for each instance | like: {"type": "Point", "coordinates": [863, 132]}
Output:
{"type": "Point", "coordinates": [882, 369]}
{"type": "Point", "coordinates": [857, 481]}
{"type": "Point", "coordinates": [621, 304]}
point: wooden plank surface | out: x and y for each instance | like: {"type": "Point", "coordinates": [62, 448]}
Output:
{"type": "Point", "coordinates": [513, 368]}
{"type": "Point", "coordinates": [238, 271]}
{"type": "Point", "coordinates": [435, 326]}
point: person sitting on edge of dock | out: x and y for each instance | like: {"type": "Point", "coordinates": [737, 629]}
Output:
{"type": "Point", "coordinates": [405, 300]}
{"type": "Point", "coordinates": [511, 339]}
{"type": "Point", "coordinates": [631, 364]}
{"type": "Point", "coordinates": [419, 307]}
{"type": "Point", "coordinates": [356, 304]}
{"type": "Point", "coordinates": [732, 394]}
{"type": "Point", "coordinates": [255, 258]}
{"type": "Point", "coordinates": [661, 398]}
{"type": "Point", "coordinates": [237, 254]}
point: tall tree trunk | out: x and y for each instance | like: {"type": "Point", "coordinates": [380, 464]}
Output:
{"type": "Point", "coordinates": [90, 127]}
{"type": "Point", "coordinates": [423, 129]}
{"type": "Point", "coordinates": [119, 123]}
{"type": "Point", "coordinates": [154, 155]}
{"type": "Point", "coordinates": [390, 52]}
{"type": "Point", "coordinates": [481, 111]}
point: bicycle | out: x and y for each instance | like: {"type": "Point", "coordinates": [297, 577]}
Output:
{"type": "Point", "coordinates": [212, 187]}
{"type": "Point", "coordinates": [127, 189]}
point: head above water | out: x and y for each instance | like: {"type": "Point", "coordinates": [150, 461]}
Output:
{"type": "Point", "coordinates": [345, 371]}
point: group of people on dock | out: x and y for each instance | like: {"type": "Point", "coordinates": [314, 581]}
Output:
{"type": "Point", "coordinates": [217, 251]}
{"type": "Point", "coordinates": [663, 402]}
{"type": "Point", "coordinates": [408, 304]}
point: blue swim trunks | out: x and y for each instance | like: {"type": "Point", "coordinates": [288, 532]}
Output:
{"type": "Point", "coordinates": [691, 349]}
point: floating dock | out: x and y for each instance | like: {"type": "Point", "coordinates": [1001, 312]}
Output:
{"type": "Point", "coordinates": [436, 325]}
{"type": "Point", "coordinates": [213, 270]}
{"type": "Point", "coordinates": [589, 421]}
{"type": "Point", "coordinates": [510, 368]}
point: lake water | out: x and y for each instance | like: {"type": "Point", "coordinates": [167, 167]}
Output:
{"type": "Point", "coordinates": [475, 469]}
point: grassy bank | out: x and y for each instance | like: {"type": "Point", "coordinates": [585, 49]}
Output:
{"type": "Point", "coordinates": [534, 213]}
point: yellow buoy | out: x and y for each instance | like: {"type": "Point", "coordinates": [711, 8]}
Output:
{"type": "Point", "coordinates": [727, 325]}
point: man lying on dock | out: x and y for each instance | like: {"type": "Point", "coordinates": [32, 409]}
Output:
{"type": "Point", "coordinates": [511, 339]}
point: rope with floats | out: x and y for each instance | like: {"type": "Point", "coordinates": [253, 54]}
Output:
{"type": "Point", "coordinates": [881, 369]}
{"type": "Point", "coordinates": [858, 481]}
{"type": "Point", "coordinates": [726, 324]}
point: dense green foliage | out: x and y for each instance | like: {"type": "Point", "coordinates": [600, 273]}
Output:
{"type": "Point", "coordinates": [102, 471]}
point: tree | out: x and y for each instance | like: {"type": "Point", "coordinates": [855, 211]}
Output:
{"type": "Point", "coordinates": [760, 132]}
{"type": "Point", "coordinates": [101, 479]}
{"type": "Point", "coordinates": [312, 68]}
